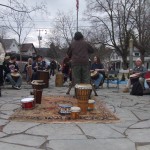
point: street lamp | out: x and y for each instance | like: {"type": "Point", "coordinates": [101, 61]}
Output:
{"type": "Point", "coordinates": [131, 53]}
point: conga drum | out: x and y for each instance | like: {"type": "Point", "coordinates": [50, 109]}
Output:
{"type": "Point", "coordinates": [59, 80]}
{"type": "Point", "coordinates": [27, 103]}
{"type": "Point", "coordinates": [83, 93]}
{"type": "Point", "coordinates": [44, 75]}
{"type": "Point", "coordinates": [15, 75]}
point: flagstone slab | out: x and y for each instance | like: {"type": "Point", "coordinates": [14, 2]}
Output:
{"type": "Point", "coordinates": [145, 147]}
{"type": "Point", "coordinates": [2, 134]}
{"type": "Point", "coordinates": [23, 139]}
{"type": "Point", "coordinates": [138, 135]}
{"type": "Point", "coordinates": [6, 146]}
{"type": "Point", "coordinates": [18, 127]}
{"type": "Point", "coordinates": [125, 115]}
{"type": "Point", "coordinates": [66, 137]}
{"type": "Point", "coordinates": [3, 122]}
{"type": "Point", "coordinates": [96, 144]}
{"type": "Point", "coordinates": [9, 107]}
{"type": "Point", "coordinates": [142, 115]}
{"type": "Point", "coordinates": [141, 125]}
{"type": "Point", "coordinates": [100, 131]}
{"type": "Point", "coordinates": [51, 129]}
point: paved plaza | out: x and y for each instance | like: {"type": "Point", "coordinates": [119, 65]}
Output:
{"type": "Point", "coordinates": [131, 132]}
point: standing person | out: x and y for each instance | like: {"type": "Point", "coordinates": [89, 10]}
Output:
{"type": "Point", "coordinates": [66, 68]}
{"type": "Point", "coordinates": [79, 51]}
{"type": "Point", "coordinates": [137, 75]}
{"type": "Point", "coordinates": [12, 71]}
{"type": "Point", "coordinates": [53, 66]}
{"type": "Point", "coordinates": [98, 71]}
{"type": "Point", "coordinates": [38, 64]}
{"type": "Point", "coordinates": [1, 68]}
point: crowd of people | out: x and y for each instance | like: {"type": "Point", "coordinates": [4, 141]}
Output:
{"type": "Point", "coordinates": [76, 67]}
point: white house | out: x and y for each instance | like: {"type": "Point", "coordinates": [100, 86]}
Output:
{"type": "Point", "coordinates": [2, 53]}
{"type": "Point", "coordinates": [11, 46]}
{"type": "Point", "coordinates": [116, 59]}
{"type": "Point", "coordinates": [28, 49]}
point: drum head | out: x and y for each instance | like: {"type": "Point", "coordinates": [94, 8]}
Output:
{"type": "Point", "coordinates": [83, 86]}
{"type": "Point", "coordinates": [133, 76]}
{"type": "Point", "coordinates": [26, 100]}
{"type": "Point", "coordinates": [15, 74]}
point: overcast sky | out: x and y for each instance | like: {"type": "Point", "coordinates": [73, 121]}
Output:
{"type": "Point", "coordinates": [45, 21]}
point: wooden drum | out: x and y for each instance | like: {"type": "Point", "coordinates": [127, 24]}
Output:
{"type": "Point", "coordinates": [44, 75]}
{"type": "Point", "coordinates": [59, 81]}
{"type": "Point", "coordinates": [91, 104]}
{"type": "Point", "coordinates": [28, 103]}
{"type": "Point", "coordinates": [75, 111]}
{"type": "Point", "coordinates": [83, 93]}
{"type": "Point", "coordinates": [15, 75]}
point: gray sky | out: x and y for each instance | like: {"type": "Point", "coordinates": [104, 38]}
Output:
{"type": "Point", "coordinates": [45, 21]}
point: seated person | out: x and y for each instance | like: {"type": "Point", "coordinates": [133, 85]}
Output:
{"type": "Point", "coordinates": [99, 76]}
{"type": "Point", "coordinates": [66, 68]}
{"type": "Point", "coordinates": [38, 64]}
{"type": "Point", "coordinates": [28, 70]}
{"type": "Point", "coordinates": [137, 75]}
{"type": "Point", "coordinates": [12, 73]}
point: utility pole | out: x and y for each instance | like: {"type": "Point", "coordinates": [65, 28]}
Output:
{"type": "Point", "coordinates": [131, 53]}
{"type": "Point", "coordinates": [39, 37]}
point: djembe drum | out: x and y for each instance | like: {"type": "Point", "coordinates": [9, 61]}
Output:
{"type": "Point", "coordinates": [15, 75]}
{"type": "Point", "coordinates": [38, 86]}
{"type": "Point", "coordinates": [134, 78]}
{"type": "Point", "coordinates": [83, 93]}
{"type": "Point", "coordinates": [94, 75]}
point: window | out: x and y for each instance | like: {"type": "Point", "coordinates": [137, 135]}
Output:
{"type": "Point", "coordinates": [137, 54]}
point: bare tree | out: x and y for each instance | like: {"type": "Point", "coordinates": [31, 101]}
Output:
{"type": "Point", "coordinates": [141, 19]}
{"type": "Point", "coordinates": [63, 28]}
{"type": "Point", "coordinates": [113, 17]}
{"type": "Point", "coordinates": [17, 18]}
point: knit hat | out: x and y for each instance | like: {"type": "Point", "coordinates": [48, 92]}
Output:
{"type": "Point", "coordinates": [139, 59]}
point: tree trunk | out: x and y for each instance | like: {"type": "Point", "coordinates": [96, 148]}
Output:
{"type": "Point", "coordinates": [142, 57]}
{"type": "Point", "coordinates": [125, 63]}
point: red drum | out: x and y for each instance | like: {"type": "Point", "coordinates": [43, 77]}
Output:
{"type": "Point", "coordinates": [28, 103]}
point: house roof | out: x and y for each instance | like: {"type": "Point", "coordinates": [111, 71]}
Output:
{"type": "Point", "coordinates": [7, 43]}
{"type": "Point", "coordinates": [26, 46]}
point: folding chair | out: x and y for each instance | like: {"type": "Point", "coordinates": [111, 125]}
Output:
{"type": "Point", "coordinates": [111, 76]}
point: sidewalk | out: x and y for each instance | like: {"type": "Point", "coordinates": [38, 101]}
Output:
{"type": "Point", "coordinates": [132, 132]}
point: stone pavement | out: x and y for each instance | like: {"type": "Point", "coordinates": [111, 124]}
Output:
{"type": "Point", "coordinates": [132, 132]}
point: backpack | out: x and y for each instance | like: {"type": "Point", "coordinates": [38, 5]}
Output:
{"type": "Point", "coordinates": [137, 89]}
